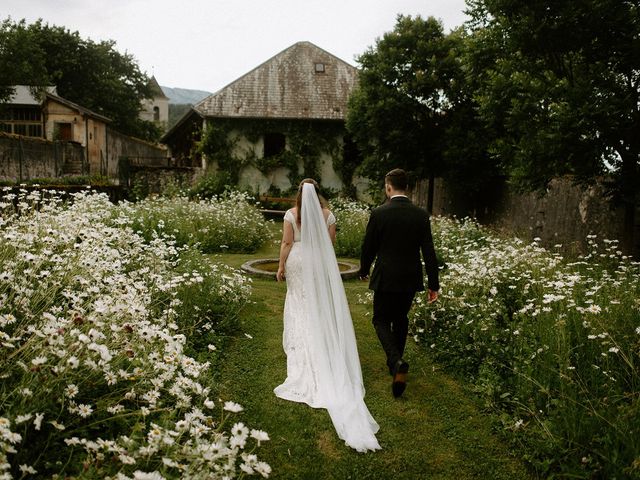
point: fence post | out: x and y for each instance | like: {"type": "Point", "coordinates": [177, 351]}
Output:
{"type": "Point", "coordinates": [123, 171]}
{"type": "Point", "coordinates": [20, 158]}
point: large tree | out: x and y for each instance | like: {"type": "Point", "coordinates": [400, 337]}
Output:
{"type": "Point", "coordinates": [413, 107]}
{"type": "Point", "coordinates": [92, 74]}
{"type": "Point", "coordinates": [560, 90]}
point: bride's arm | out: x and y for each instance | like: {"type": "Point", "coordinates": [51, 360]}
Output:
{"type": "Point", "coordinates": [331, 224]}
{"type": "Point", "coordinates": [332, 233]}
{"type": "Point", "coordinates": [285, 248]}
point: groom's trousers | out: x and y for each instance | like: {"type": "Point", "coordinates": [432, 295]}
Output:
{"type": "Point", "coordinates": [390, 310]}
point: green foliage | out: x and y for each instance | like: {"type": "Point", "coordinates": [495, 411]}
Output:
{"type": "Point", "coordinates": [140, 189]}
{"type": "Point", "coordinates": [94, 75]}
{"type": "Point", "coordinates": [550, 345]}
{"type": "Point", "coordinates": [176, 112]}
{"type": "Point", "coordinates": [212, 184]}
{"type": "Point", "coordinates": [306, 141]}
{"type": "Point", "coordinates": [94, 180]}
{"type": "Point", "coordinates": [560, 104]}
{"type": "Point", "coordinates": [414, 106]}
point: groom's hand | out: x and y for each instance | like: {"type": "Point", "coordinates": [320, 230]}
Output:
{"type": "Point", "coordinates": [432, 296]}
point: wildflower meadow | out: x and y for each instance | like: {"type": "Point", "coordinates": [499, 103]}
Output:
{"type": "Point", "coordinates": [550, 344]}
{"type": "Point", "coordinates": [98, 321]}
{"type": "Point", "coordinates": [225, 223]}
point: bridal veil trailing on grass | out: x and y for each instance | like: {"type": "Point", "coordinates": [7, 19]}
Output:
{"type": "Point", "coordinates": [331, 374]}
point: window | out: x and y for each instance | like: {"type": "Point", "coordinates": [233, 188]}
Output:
{"type": "Point", "coordinates": [319, 67]}
{"type": "Point", "coordinates": [26, 121]}
{"type": "Point", "coordinates": [274, 144]}
{"type": "Point", "coordinates": [156, 114]}
{"type": "Point", "coordinates": [26, 114]}
{"type": "Point", "coordinates": [34, 130]}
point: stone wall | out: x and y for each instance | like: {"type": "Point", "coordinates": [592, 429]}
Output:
{"type": "Point", "coordinates": [146, 180]}
{"type": "Point", "coordinates": [24, 158]}
{"type": "Point", "coordinates": [119, 145]}
{"type": "Point", "coordinates": [565, 214]}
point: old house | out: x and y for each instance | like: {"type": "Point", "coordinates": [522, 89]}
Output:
{"type": "Point", "coordinates": [276, 124]}
{"type": "Point", "coordinates": [43, 135]}
{"type": "Point", "coordinates": [156, 109]}
{"type": "Point", "coordinates": [51, 117]}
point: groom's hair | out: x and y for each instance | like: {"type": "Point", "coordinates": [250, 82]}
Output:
{"type": "Point", "coordinates": [397, 178]}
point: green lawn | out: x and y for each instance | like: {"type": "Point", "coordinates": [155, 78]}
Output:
{"type": "Point", "coordinates": [436, 430]}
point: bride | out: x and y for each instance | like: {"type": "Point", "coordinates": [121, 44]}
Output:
{"type": "Point", "coordinates": [323, 368]}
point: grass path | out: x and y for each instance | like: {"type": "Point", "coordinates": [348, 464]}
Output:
{"type": "Point", "coordinates": [435, 431]}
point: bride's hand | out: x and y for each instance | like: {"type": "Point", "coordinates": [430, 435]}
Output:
{"type": "Point", "coordinates": [280, 274]}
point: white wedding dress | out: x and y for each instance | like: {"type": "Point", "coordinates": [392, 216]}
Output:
{"type": "Point", "coordinates": [323, 367]}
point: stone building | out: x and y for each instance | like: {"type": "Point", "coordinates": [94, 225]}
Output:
{"type": "Point", "coordinates": [51, 117]}
{"type": "Point", "coordinates": [156, 109]}
{"type": "Point", "coordinates": [281, 121]}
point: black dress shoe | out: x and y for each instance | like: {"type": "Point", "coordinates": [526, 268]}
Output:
{"type": "Point", "coordinates": [399, 378]}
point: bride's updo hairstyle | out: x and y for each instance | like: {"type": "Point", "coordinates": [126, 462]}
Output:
{"type": "Point", "coordinates": [323, 202]}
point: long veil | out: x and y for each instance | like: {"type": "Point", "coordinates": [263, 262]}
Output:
{"type": "Point", "coordinates": [332, 344]}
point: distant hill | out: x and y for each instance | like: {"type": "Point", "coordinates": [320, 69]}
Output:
{"type": "Point", "coordinates": [184, 95]}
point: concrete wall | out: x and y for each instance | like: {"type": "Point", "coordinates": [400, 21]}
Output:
{"type": "Point", "coordinates": [119, 145]}
{"type": "Point", "coordinates": [24, 158]}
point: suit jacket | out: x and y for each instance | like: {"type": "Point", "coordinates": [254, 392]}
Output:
{"type": "Point", "coordinates": [396, 234]}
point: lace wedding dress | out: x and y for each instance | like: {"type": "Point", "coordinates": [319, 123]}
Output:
{"type": "Point", "coordinates": [323, 367]}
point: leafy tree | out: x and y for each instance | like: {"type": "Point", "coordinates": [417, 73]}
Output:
{"type": "Point", "coordinates": [560, 84]}
{"type": "Point", "coordinates": [414, 107]}
{"type": "Point", "coordinates": [94, 75]}
{"type": "Point", "coordinates": [176, 112]}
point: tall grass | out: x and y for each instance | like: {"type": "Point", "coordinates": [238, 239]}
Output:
{"type": "Point", "coordinates": [551, 345]}
{"type": "Point", "coordinates": [95, 323]}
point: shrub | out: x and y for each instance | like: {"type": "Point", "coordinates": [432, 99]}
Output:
{"type": "Point", "coordinates": [551, 345]}
{"type": "Point", "coordinates": [225, 223]}
{"type": "Point", "coordinates": [211, 185]}
{"type": "Point", "coordinates": [352, 218]}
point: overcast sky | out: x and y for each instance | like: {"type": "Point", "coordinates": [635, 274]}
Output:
{"type": "Point", "coordinates": [206, 44]}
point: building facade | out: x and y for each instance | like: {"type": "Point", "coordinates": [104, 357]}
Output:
{"type": "Point", "coordinates": [156, 109]}
{"type": "Point", "coordinates": [43, 114]}
{"type": "Point", "coordinates": [278, 123]}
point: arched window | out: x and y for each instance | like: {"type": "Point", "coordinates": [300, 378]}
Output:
{"type": "Point", "coordinates": [156, 114]}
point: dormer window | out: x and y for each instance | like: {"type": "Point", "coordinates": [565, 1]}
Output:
{"type": "Point", "coordinates": [319, 67]}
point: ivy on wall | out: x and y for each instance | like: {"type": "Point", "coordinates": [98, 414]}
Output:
{"type": "Point", "coordinates": [305, 142]}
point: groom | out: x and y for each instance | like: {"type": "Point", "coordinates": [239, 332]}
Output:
{"type": "Point", "coordinates": [396, 234]}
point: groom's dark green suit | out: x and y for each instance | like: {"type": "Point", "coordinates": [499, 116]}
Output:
{"type": "Point", "coordinates": [397, 233]}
